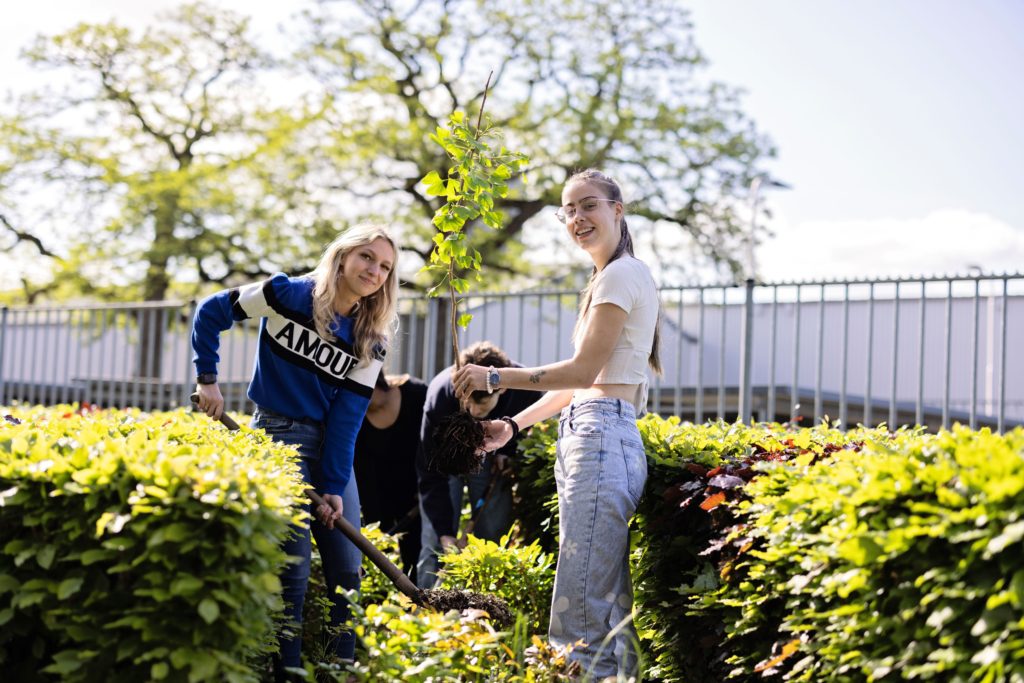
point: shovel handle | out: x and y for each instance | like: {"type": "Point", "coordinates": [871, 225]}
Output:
{"type": "Point", "coordinates": [397, 576]}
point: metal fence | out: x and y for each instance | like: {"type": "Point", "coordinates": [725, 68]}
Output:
{"type": "Point", "coordinates": [929, 351]}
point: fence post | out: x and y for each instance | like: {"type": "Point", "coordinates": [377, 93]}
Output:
{"type": "Point", "coordinates": [430, 336]}
{"type": "Point", "coordinates": [746, 353]}
{"type": "Point", "coordinates": [3, 343]}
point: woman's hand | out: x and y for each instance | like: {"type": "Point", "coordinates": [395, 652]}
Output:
{"type": "Point", "coordinates": [452, 544]}
{"type": "Point", "coordinates": [210, 400]}
{"type": "Point", "coordinates": [331, 511]}
{"type": "Point", "coordinates": [469, 378]}
{"type": "Point", "coordinates": [497, 433]}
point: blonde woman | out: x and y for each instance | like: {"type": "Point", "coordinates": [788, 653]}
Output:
{"type": "Point", "coordinates": [601, 466]}
{"type": "Point", "coordinates": [321, 347]}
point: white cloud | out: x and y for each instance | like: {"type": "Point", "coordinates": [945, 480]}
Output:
{"type": "Point", "coordinates": [944, 241]}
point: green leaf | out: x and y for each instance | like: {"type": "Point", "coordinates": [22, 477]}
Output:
{"type": "Point", "coordinates": [8, 583]}
{"type": "Point", "coordinates": [209, 610]}
{"type": "Point", "coordinates": [464, 320]}
{"type": "Point", "coordinates": [93, 556]}
{"type": "Point", "coordinates": [159, 671]}
{"type": "Point", "coordinates": [203, 667]}
{"type": "Point", "coordinates": [185, 585]}
{"type": "Point", "coordinates": [1016, 587]}
{"type": "Point", "coordinates": [861, 550]}
{"type": "Point", "coordinates": [434, 184]}
{"type": "Point", "coordinates": [9, 493]}
{"type": "Point", "coordinates": [452, 190]}
{"type": "Point", "coordinates": [69, 587]}
{"type": "Point", "coordinates": [45, 556]}
{"type": "Point", "coordinates": [1010, 536]}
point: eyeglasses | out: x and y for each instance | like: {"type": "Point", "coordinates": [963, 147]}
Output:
{"type": "Point", "coordinates": [586, 205]}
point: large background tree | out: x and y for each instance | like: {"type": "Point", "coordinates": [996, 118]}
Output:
{"type": "Point", "coordinates": [185, 156]}
{"type": "Point", "coordinates": [598, 83]}
{"type": "Point", "coordinates": [157, 157]}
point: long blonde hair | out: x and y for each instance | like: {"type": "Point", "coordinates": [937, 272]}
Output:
{"type": "Point", "coordinates": [376, 314]}
{"type": "Point", "coordinates": [611, 190]}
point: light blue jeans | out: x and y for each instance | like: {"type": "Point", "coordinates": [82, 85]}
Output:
{"type": "Point", "coordinates": [341, 559]}
{"type": "Point", "coordinates": [600, 470]}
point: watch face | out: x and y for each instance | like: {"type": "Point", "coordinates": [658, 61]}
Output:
{"type": "Point", "coordinates": [494, 377]}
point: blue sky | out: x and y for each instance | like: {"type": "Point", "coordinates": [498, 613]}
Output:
{"type": "Point", "coordinates": [898, 124]}
{"type": "Point", "coordinates": [916, 103]}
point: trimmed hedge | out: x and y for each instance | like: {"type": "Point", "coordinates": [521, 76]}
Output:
{"type": "Point", "coordinates": [902, 561]}
{"type": "Point", "coordinates": [141, 547]}
{"type": "Point", "coordinates": [814, 554]}
{"type": "Point", "coordinates": [136, 547]}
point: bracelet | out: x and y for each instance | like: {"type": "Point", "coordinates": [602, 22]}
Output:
{"type": "Point", "coordinates": [512, 424]}
{"type": "Point", "coordinates": [487, 380]}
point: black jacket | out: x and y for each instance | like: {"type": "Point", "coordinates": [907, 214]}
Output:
{"type": "Point", "coordinates": [441, 402]}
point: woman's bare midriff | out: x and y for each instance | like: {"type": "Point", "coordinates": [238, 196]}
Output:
{"type": "Point", "coordinates": [627, 392]}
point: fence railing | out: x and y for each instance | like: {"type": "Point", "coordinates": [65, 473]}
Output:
{"type": "Point", "coordinates": [929, 351]}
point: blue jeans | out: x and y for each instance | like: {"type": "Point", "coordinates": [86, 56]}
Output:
{"type": "Point", "coordinates": [341, 559]}
{"type": "Point", "coordinates": [600, 471]}
{"type": "Point", "coordinates": [493, 518]}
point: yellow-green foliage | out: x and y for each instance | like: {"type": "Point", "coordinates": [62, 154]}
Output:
{"type": "Point", "coordinates": [536, 503]}
{"type": "Point", "coordinates": [903, 560]}
{"type": "Point", "coordinates": [375, 586]}
{"type": "Point", "coordinates": [762, 552]}
{"type": "Point", "coordinates": [138, 547]}
{"type": "Point", "coordinates": [404, 643]}
{"type": "Point", "coordinates": [521, 575]}
{"type": "Point", "coordinates": [679, 525]}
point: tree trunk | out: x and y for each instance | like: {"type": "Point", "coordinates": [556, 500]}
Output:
{"type": "Point", "coordinates": [158, 281]}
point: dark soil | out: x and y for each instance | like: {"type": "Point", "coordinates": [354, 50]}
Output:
{"type": "Point", "coordinates": [457, 439]}
{"type": "Point", "coordinates": [445, 600]}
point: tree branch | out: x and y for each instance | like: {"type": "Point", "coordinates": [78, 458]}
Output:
{"type": "Point", "coordinates": [28, 237]}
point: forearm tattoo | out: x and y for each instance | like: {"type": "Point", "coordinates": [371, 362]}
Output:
{"type": "Point", "coordinates": [535, 377]}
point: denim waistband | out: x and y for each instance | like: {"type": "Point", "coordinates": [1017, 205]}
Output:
{"type": "Point", "coordinates": [605, 404]}
{"type": "Point", "coordinates": [266, 412]}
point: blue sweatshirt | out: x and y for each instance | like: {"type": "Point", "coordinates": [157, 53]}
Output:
{"type": "Point", "coordinates": [297, 373]}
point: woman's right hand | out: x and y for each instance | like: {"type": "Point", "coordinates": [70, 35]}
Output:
{"type": "Point", "coordinates": [210, 400]}
{"type": "Point", "coordinates": [331, 511]}
{"type": "Point", "coordinates": [497, 433]}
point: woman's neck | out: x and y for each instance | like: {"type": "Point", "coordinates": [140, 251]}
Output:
{"type": "Point", "coordinates": [344, 304]}
{"type": "Point", "coordinates": [385, 414]}
{"type": "Point", "coordinates": [603, 259]}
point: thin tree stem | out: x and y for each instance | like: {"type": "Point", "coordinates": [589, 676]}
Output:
{"type": "Point", "coordinates": [451, 263]}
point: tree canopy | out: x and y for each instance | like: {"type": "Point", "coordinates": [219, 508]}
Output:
{"type": "Point", "coordinates": [158, 158]}
{"type": "Point", "coordinates": [173, 148]}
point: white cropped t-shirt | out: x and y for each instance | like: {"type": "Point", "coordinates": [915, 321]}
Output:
{"type": "Point", "coordinates": [627, 283]}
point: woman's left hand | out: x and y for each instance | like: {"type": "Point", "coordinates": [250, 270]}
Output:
{"type": "Point", "coordinates": [468, 379]}
{"type": "Point", "coordinates": [497, 433]}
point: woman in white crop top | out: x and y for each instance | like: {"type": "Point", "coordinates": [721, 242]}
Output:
{"type": "Point", "coordinates": [601, 466]}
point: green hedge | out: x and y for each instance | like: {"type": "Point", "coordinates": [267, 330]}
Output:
{"type": "Point", "coordinates": [815, 554]}
{"type": "Point", "coordinates": [901, 561]}
{"type": "Point", "coordinates": [137, 547]}
{"type": "Point", "coordinates": [521, 575]}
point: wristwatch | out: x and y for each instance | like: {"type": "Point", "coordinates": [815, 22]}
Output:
{"type": "Point", "coordinates": [206, 378]}
{"type": "Point", "coordinates": [492, 380]}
